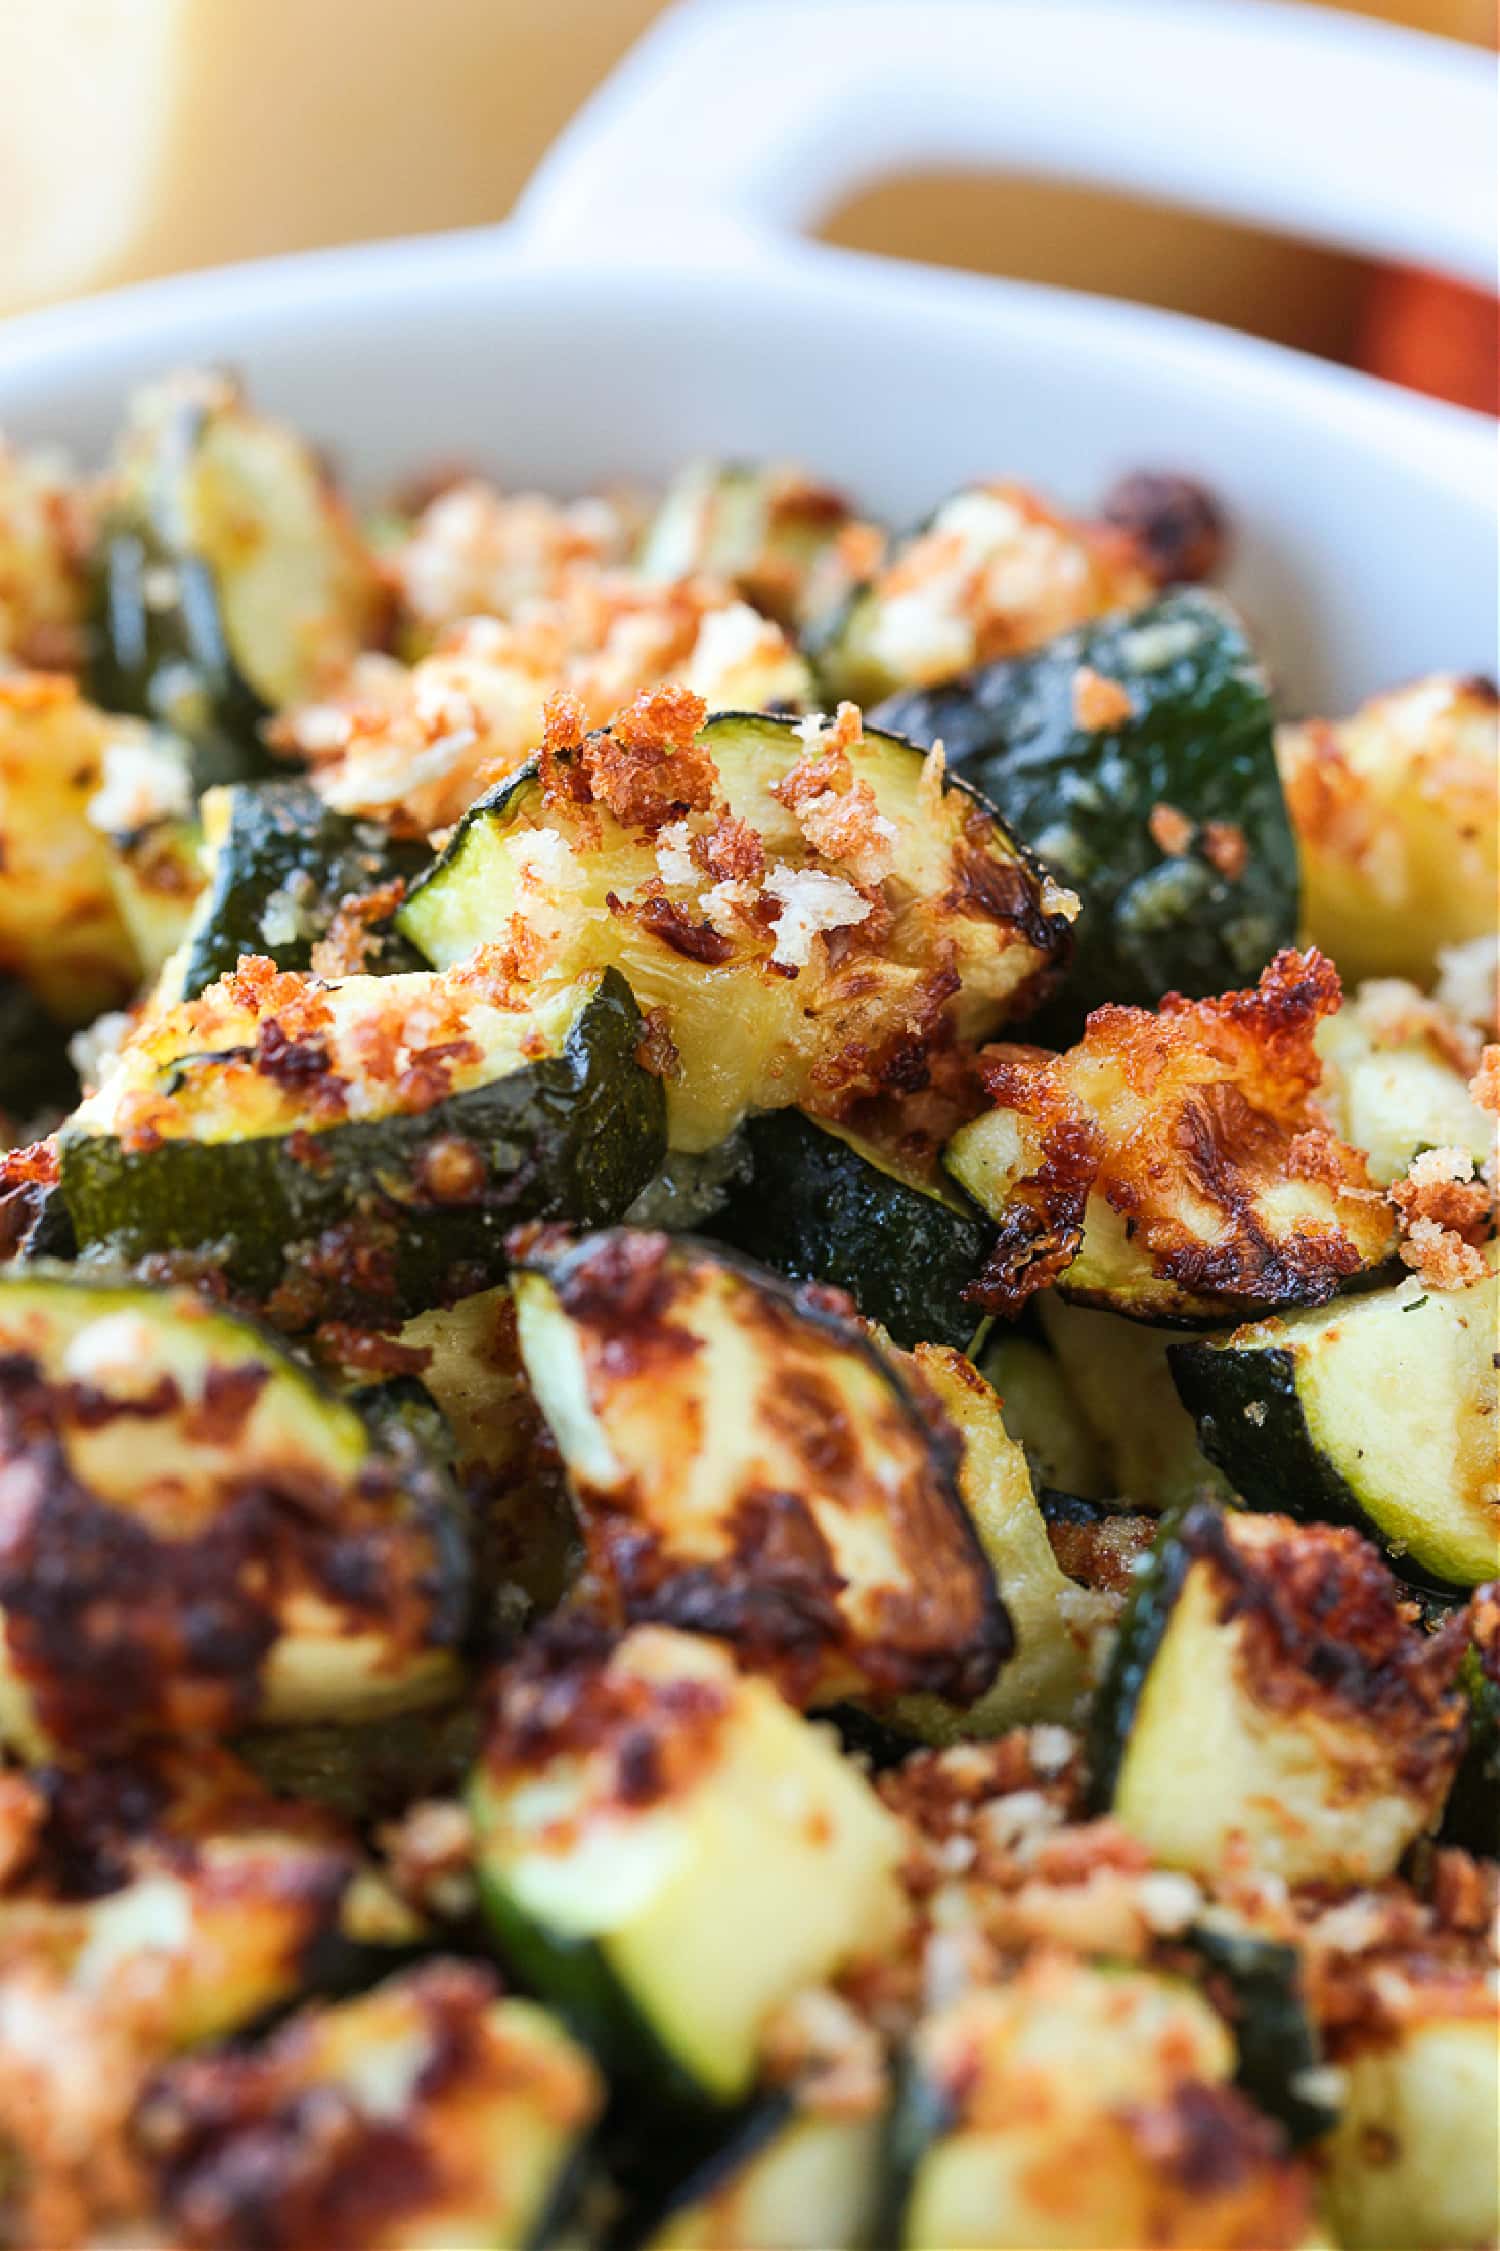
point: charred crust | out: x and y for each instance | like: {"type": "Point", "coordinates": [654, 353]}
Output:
{"type": "Point", "coordinates": [1175, 524]}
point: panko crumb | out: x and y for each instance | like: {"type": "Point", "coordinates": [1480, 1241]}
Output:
{"type": "Point", "coordinates": [811, 902]}
{"type": "Point", "coordinates": [1445, 1217]}
{"type": "Point", "coordinates": [1171, 831]}
{"type": "Point", "coordinates": [1468, 982]}
{"type": "Point", "coordinates": [1099, 703]}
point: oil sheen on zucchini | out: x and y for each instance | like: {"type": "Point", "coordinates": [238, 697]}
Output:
{"type": "Point", "coordinates": [1135, 756]}
{"type": "Point", "coordinates": [747, 1463]}
{"type": "Point", "coordinates": [607, 850]}
{"type": "Point", "coordinates": [231, 580]}
{"type": "Point", "coordinates": [1267, 1691]}
{"type": "Point", "coordinates": [458, 2115]}
{"type": "Point", "coordinates": [668, 1852]}
{"type": "Point", "coordinates": [819, 1204]}
{"type": "Point", "coordinates": [363, 1146]}
{"type": "Point", "coordinates": [155, 1446]}
{"type": "Point", "coordinates": [1378, 1411]}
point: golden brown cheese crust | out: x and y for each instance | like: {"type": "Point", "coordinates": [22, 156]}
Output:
{"type": "Point", "coordinates": [1196, 1127]}
{"type": "Point", "coordinates": [160, 1616]}
{"type": "Point", "coordinates": [823, 1535]}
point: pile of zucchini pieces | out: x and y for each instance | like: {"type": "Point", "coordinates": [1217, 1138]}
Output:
{"type": "Point", "coordinates": [748, 1483]}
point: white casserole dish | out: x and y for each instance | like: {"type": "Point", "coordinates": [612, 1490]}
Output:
{"type": "Point", "coordinates": [652, 299]}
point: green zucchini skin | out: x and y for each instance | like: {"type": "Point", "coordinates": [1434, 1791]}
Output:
{"type": "Point", "coordinates": [816, 1209]}
{"type": "Point", "coordinates": [1275, 2035]}
{"type": "Point", "coordinates": [1198, 739]}
{"type": "Point", "coordinates": [573, 1136]}
{"type": "Point", "coordinates": [366, 1770]}
{"type": "Point", "coordinates": [1471, 1817]}
{"type": "Point", "coordinates": [35, 1073]}
{"type": "Point", "coordinates": [1255, 1422]}
{"type": "Point", "coordinates": [1159, 1574]}
{"type": "Point", "coordinates": [280, 841]}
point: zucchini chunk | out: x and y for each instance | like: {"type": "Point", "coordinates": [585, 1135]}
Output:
{"type": "Point", "coordinates": [1044, 1418]}
{"type": "Point", "coordinates": [1395, 816]}
{"type": "Point", "coordinates": [1117, 1371]}
{"type": "Point", "coordinates": [198, 1534]}
{"type": "Point", "coordinates": [363, 1147]}
{"type": "Point", "coordinates": [35, 1073]}
{"type": "Point", "coordinates": [1174, 1166]}
{"type": "Point", "coordinates": [459, 2114]}
{"type": "Point", "coordinates": [821, 1204]}
{"type": "Point", "coordinates": [1396, 1073]}
{"type": "Point", "coordinates": [791, 2179]}
{"type": "Point", "coordinates": [1411, 2164]}
{"type": "Point", "coordinates": [366, 1770]}
{"type": "Point", "coordinates": [637, 1805]}
{"type": "Point", "coordinates": [156, 874]}
{"type": "Point", "coordinates": [1060, 2108]}
{"type": "Point", "coordinates": [1267, 1691]}
{"type": "Point", "coordinates": [46, 529]}
{"type": "Point", "coordinates": [1379, 1412]}
{"type": "Point", "coordinates": [776, 536]}
{"type": "Point", "coordinates": [1056, 1626]}
{"type": "Point", "coordinates": [1472, 1815]}
{"type": "Point", "coordinates": [747, 1463]}
{"type": "Point", "coordinates": [60, 929]}
{"type": "Point", "coordinates": [231, 578]}
{"type": "Point", "coordinates": [1280, 2063]}
{"type": "Point", "coordinates": [280, 864]}
{"type": "Point", "coordinates": [994, 571]}
{"type": "Point", "coordinates": [1136, 757]}
{"type": "Point", "coordinates": [810, 911]}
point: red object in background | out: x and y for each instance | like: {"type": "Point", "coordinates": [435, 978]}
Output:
{"type": "Point", "coordinates": [1433, 335]}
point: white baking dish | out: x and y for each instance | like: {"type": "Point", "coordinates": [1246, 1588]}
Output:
{"type": "Point", "coordinates": [652, 298]}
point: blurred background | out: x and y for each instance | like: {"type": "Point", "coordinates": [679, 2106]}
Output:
{"type": "Point", "coordinates": [142, 137]}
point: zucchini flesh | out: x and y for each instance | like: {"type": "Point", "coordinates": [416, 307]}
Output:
{"type": "Point", "coordinates": [746, 1463]}
{"type": "Point", "coordinates": [1396, 1073]}
{"type": "Point", "coordinates": [1117, 1371]}
{"type": "Point", "coordinates": [1378, 1412]}
{"type": "Point", "coordinates": [280, 864]}
{"type": "Point", "coordinates": [213, 1135]}
{"type": "Point", "coordinates": [1055, 1626]}
{"type": "Point", "coordinates": [1267, 1691]}
{"type": "Point", "coordinates": [1135, 756]}
{"type": "Point", "coordinates": [762, 1010]}
{"type": "Point", "coordinates": [1027, 2114]}
{"type": "Point", "coordinates": [231, 582]}
{"type": "Point", "coordinates": [1173, 1165]}
{"type": "Point", "coordinates": [156, 1445]}
{"type": "Point", "coordinates": [459, 2114]}
{"type": "Point", "coordinates": [766, 528]}
{"type": "Point", "coordinates": [1412, 2161]}
{"type": "Point", "coordinates": [1395, 812]}
{"type": "Point", "coordinates": [1044, 1418]}
{"type": "Point", "coordinates": [820, 1204]}
{"type": "Point", "coordinates": [694, 1804]}
{"type": "Point", "coordinates": [788, 2180]}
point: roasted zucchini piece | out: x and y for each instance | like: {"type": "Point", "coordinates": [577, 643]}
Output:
{"type": "Point", "coordinates": [1379, 1412]}
{"type": "Point", "coordinates": [994, 571]}
{"type": "Point", "coordinates": [35, 1073]}
{"type": "Point", "coordinates": [60, 929]}
{"type": "Point", "coordinates": [46, 529]}
{"type": "Point", "coordinates": [366, 1770]}
{"type": "Point", "coordinates": [280, 864]}
{"type": "Point", "coordinates": [1056, 1627]}
{"type": "Point", "coordinates": [1175, 1166]}
{"type": "Point", "coordinates": [1396, 1073]}
{"type": "Point", "coordinates": [156, 873]}
{"type": "Point", "coordinates": [1044, 1418]}
{"type": "Point", "coordinates": [231, 579]}
{"type": "Point", "coordinates": [1259, 1984]}
{"type": "Point", "coordinates": [1077, 2104]}
{"type": "Point", "coordinates": [1472, 1815]}
{"type": "Point", "coordinates": [810, 910]}
{"type": "Point", "coordinates": [1118, 1373]}
{"type": "Point", "coordinates": [199, 1534]}
{"type": "Point", "coordinates": [429, 2111]}
{"type": "Point", "coordinates": [1411, 2165]}
{"type": "Point", "coordinates": [1268, 1693]}
{"type": "Point", "coordinates": [668, 1852]}
{"type": "Point", "coordinates": [1136, 758]}
{"type": "Point", "coordinates": [747, 1463]}
{"type": "Point", "coordinates": [822, 1204]}
{"type": "Point", "coordinates": [770, 531]}
{"type": "Point", "coordinates": [364, 1147]}
{"type": "Point", "coordinates": [1395, 814]}
{"type": "Point", "coordinates": [790, 2179]}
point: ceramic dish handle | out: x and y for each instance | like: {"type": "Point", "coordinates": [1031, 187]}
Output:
{"type": "Point", "coordinates": [735, 121]}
